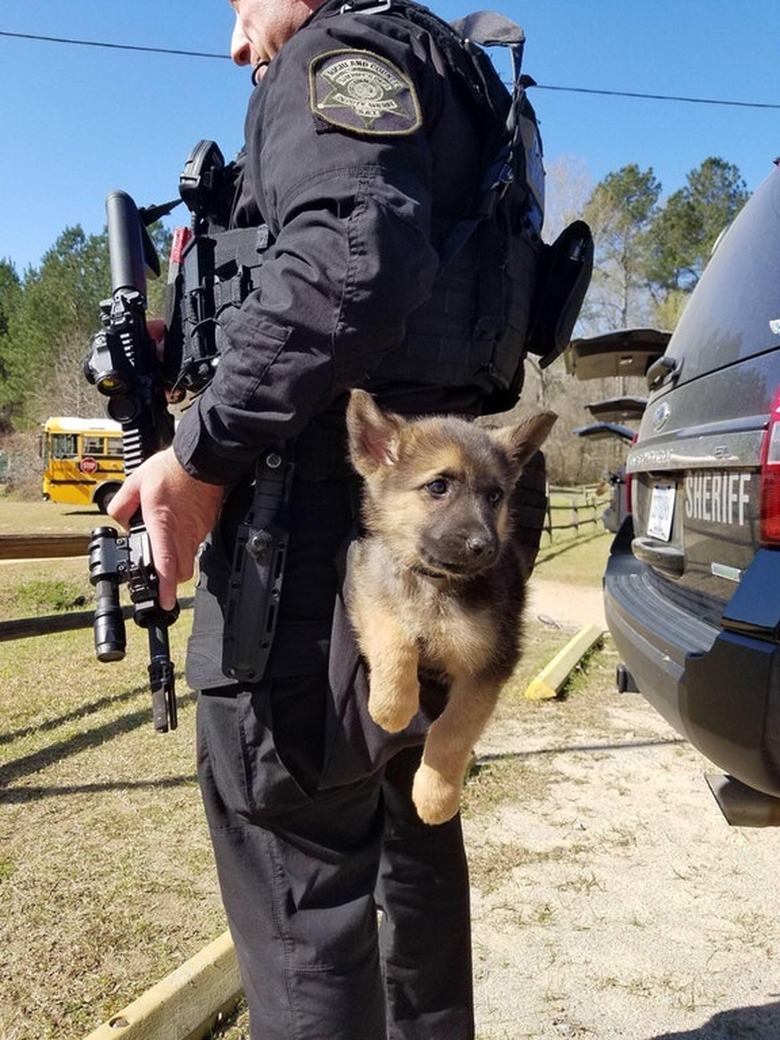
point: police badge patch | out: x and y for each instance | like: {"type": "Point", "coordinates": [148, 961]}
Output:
{"type": "Point", "coordinates": [359, 91]}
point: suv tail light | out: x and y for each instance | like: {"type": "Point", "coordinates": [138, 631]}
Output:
{"type": "Point", "coordinates": [770, 478]}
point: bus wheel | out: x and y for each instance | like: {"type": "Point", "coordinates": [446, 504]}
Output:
{"type": "Point", "coordinates": [104, 495]}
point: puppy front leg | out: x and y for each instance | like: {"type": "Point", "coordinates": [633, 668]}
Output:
{"type": "Point", "coordinates": [394, 689]}
{"type": "Point", "coordinates": [438, 782]}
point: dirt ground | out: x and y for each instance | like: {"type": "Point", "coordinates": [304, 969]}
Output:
{"type": "Point", "coordinates": [569, 605]}
{"type": "Point", "coordinates": [622, 904]}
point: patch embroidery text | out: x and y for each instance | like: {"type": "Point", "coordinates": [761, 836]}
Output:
{"type": "Point", "coordinates": [360, 91]}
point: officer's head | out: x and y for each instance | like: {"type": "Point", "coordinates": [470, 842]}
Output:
{"type": "Point", "coordinates": [263, 27]}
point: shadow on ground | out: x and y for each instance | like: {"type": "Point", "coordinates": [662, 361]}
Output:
{"type": "Point", "coordinates": [744, 1023]}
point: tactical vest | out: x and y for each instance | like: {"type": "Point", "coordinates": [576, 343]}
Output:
{"type": "Point", "coordinates": [500, 292]}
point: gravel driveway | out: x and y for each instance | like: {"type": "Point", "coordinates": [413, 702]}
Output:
{"type": "Point", "coordinates": [611, 898]}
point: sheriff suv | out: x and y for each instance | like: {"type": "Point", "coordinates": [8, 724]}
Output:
{"type": "Point", "coordinates": [692, 588]}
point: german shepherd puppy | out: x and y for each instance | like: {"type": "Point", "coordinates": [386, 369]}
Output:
{"type": "Point", "coordinates": [436, 581]}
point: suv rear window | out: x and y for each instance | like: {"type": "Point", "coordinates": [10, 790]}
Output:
{"type": "Point", "coordinates": [728, 317]}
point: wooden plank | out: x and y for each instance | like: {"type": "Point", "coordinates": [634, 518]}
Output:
{"type": "Point", "coordinates": [185, 1004]}
{"type": "Point", "coordinates": [550, 681]}
{"type": "Point", "coordinates": [46, 624]}
{"type": "Point", "coordinates": [42, 546]}
{"type": "Point", "coordinates": [49, 623]}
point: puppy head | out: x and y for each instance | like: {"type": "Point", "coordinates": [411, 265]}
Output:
{"type": "Point", "coordinates": [437, 489]}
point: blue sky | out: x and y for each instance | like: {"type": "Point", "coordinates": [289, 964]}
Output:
{"type": "Point", "coordinates": [78, 121]}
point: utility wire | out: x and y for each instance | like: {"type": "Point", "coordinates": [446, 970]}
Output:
{"type": "Point", "coordinates": [659, 97]}
{"type": "Point", "coordinates": [538, 86]}
{"type": "Point", "coordinates": [113, 46]}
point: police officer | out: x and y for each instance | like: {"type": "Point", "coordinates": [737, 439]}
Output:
{"type": "Point", "coordinates": [363, 150]}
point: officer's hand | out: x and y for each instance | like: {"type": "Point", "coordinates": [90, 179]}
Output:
{"type": "Point", "coordinates": [178, 511]}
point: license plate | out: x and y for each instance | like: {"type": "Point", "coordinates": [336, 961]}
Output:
{"type": "Point", "coordinates": [659, 523]}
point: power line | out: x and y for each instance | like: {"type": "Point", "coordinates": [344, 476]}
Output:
{"type": "Point", "coordinates": [658, 97]}
{"type": "Point", "coordinates": [538, 86]}
{"type": "Point", "coordinates": [113, 46]}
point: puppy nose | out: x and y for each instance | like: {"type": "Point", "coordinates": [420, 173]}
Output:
{"type": "Point", "coordinates": [481, 545]}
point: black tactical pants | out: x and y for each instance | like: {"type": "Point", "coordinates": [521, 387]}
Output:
{"type": "Point", "coordinates": [308, 803]}
{"type": "Point", "coordinates": [306, 875]}
{"type": "Point", "coordinates": [314, 833]}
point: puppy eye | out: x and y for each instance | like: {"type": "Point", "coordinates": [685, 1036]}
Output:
{"type": "Point", "coordinates": [495, 496]}
{"type": "Point", "coordinates": [437, 487]}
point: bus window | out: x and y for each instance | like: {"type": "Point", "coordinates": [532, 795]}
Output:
{"type": "Point", "coordinates": [93, 445]}
{"type": "Point", "coordinates": [109, 447]}
{"type": "Point", "coordinates": [64, 446]}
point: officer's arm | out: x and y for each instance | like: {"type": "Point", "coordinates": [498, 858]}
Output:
{"type": "Point", "coordinates": [352, 214]}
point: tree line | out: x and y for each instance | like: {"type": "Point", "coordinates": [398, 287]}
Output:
{"type": "Point", "coordinates": [650, 253]}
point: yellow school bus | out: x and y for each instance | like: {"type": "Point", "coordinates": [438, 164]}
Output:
{"type": "Point", "coordinates": [82, 460]}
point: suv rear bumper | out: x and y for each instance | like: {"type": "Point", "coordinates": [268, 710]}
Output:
{"type": "Point", "coordinates": [719, 689]}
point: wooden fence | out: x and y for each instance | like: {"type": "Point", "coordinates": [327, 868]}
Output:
{"type": "Point", "coordinates": [568, 509]}
{"type": "Point", "coordinates": [42, 546]}
{"type": "Point", "coordinates": [47, 547]}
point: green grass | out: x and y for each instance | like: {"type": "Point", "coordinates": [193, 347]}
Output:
{"type": "Point", "coordinates": [49, 595]}
{"type": "Point", "coordinates": [578, 561]}
{"type": "Point", "coordinates": [39, 517]}
{"type": "Point", "coordinates": [106, 873]}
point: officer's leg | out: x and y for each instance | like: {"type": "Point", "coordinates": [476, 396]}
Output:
{"type": "Point", "coordinates": [297, 875]}
{"type": "Point", "coordinates": [425, 934]}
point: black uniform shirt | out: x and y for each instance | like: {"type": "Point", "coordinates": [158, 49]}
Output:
{"type": "Point", "coordinates": [361, 152]}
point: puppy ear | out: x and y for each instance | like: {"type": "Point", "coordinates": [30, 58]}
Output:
{"type": "Point", "coordinates": [373, 434]}
{"type": "Point", "coordinates": [522, 440]}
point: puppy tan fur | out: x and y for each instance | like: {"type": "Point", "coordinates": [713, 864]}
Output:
{"type": "Point", "coordinates": [437, 582]}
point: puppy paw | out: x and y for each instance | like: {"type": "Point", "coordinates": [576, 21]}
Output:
{"type": "Point", "coordinates": [391, 708]}
{"type": "Point", "coordinates": [435, 798]}
{"type": "Point", "coordinates": [389, 716]}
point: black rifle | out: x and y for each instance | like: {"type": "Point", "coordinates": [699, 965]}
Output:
{"type": "Point", "coordinates": [123, 364]}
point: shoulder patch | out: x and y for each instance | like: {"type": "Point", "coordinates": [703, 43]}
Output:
{"type": "Point", "coordinates": [364, 93]}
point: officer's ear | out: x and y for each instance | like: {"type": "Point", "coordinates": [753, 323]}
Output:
{"type": "Point", "coordinates": [374, 435]}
